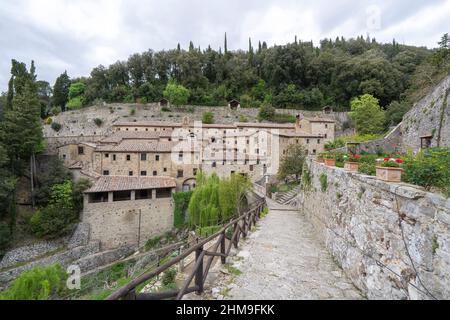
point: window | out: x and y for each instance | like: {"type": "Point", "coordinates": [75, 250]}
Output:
{"type": "Point", "coordinates": [326, 135]}
{"type": "Point", "coordinates": [307, 141]}
{"type": "Point", "coordinates": [98, 197]}
{"type": "Point", "coordinates": [128, 157]}
{"type": "Point", "coordinates": [251, 167]}
{"type": "Point", "coordinates": [143, 173]}
{"type": "Point", "coordinates": [64, 157]}
{"type": "Point", "coordinates": [326, 126]}
{"type": "Point", "coordinates": [314, 151]}
{"type": "Point", "coordinates": [106, 155]}
{"type": "Point", "coordinates": [318, 141]}
{"type": "Point", "coordinates": [114, 157]}
{"type": "Point", "coordinates": [127, 129]}
{"type": "Point", "coordinates": [122, 196]}
{"type": "Point", "coordinates": [80, 150]}
{"type": "Point", "coordinates": [106, 172]}
{"type": "Point", "coordinates": [213, 139]}
{"type": "Point", "coordinates": [143, 157]}
{"type": "Point", "coordinates": [180, 156]}
{"type": "Point", "coordinates": [180, 174]}
{"type": "Point", "coordinates": [164, 193]}
{"type": "Point", "coordinates": [143, 194]}
{"type": "Point", "coordinates": [130, 173]}
{"type": "Point", "coordinates": [257, 151]}
{"type": "Point", "coordinates": [157, 157]}
{"type": "Point", "coordinates": [297, 141]}
{"type": "Point", "coordinates": [135, 129]}
{"type": "Point", "coordinates": [165, 169]}
{"type": "Point", "coordinates": [194, 171]}
{"type": "Point", "coordinates": [214, 164]}
{"type": "Point", "coordinates": [155, 173]}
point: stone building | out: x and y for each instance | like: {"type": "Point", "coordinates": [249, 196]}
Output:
{"type": "Point", "coordinates": [128, 210]}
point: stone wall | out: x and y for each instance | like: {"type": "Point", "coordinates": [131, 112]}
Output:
{"type": "Point", "coordinates": [430, 116]}
{"type": "Point", "coordinates": [124, 223]}
{"type": "Point", "coordinates": [392, 240]}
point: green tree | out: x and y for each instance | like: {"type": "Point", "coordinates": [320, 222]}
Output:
{"type": "Point", "coordinates": [291, 163]}
{"type": "Point", "coordinates": [61, 91]}
{"type": "Point", "coordinates": [39, 283]}
{"type": "Point", "coordinates": [208, 118]}
{"type": "Point", "coordinates": [395, 112]}
{"type": "Point", "coordinates": [76, 95]}
{"type": "Point", "coordinates": [367, 114]}
{"type": "Point", "coordinates": [176, 94]}
{"type": "Point", "coordinates": [266, 112]}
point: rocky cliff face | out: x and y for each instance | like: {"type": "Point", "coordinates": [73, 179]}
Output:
{"type": "Point", "coordinates": [429, 117]}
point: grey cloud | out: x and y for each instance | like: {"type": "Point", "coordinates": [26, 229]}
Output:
{"type": "Point", "coordinates": [144, 24]}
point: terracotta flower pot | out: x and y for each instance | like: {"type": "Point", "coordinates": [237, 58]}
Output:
{"type": "Point", "coordinates": [351, 166]}
{"type": "Point", "coordinates": [330, 162]}
{"type": "Point", "coordinates": [389, 174]}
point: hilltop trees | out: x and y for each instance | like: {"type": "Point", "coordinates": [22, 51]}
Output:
{"type": "Point", "coordinates": [176, 94]}
{"type": "Point", "coordinates": [296, 75]}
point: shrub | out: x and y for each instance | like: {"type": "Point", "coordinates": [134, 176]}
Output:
{"type": "Point", "coordinates": [152, 242]}
{"type": "Point", "coordinates": [181, 203]}
{"type": "Point", "coordinates": [132, 111]}
{"type": "Point", "coordinates": [78, 188]}
{"type": "Point", "coordinates": [429, 169]}
{"type": "Point", "coordinates": [56, 126]}
{"type": "Point", "coordinates": [169, 277]}
{"type": "Point", "coordinates": [338, 143]}
{"type": "Point", "coordinates": [283, 118]}
{"type": "Point", "coordinates": [208, 118]}
{"type": "Point", "coordinates": [367, 168]}
{"type": "Point", "coordinates": [323, 182]}
{"type": "Point", "coordinates": [40, 283]}
{"type": "Point", "coordinates": [243, 118]}
{"type": "Point", "coordinates": [75, 103]}
{"type": "Point", "coordinates": [48, 121]}
{"type": "Point", "coordinates": [98, 122]}
{"type": "Point", "coordinates": [266, 112]}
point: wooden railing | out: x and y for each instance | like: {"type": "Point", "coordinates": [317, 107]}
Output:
{"type": "Point", "coordinates": [241, 226]}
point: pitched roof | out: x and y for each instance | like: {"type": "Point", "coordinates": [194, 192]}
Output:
{"type": "Point", "coordinates": [124, 183]}
{"type": "Point", "coordinates": [146, 124]}
{"type": "Point", "coordinates": [266, 125]}
{"type": "Point", "coordinates": [137, 145]}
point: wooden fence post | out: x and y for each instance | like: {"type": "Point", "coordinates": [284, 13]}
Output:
{"type": "Point", "coordinates": [222, 248]}
{"type": "Point", "coordinates": [199, 271]}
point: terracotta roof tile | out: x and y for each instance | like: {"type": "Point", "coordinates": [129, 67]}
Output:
{"type": "Point", "coordinates": [123, 183]}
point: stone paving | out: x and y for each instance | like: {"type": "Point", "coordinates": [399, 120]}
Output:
{"type": "Point", "coordinates": [282, 259]}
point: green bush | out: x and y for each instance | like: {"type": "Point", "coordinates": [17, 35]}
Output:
{"type": "Point", "coordinates": [338, 143]}
{"type": "Point", "coordinates": [75, 103]}
{"type": "Point", "coordinates": [323, 182]}
{"type": "Point", "coordinates": [40, 283]}
{"type": "Point", "coordinates": [132, 112]}
{"type": "Point", "coordinates": [56, 126]}
{"type": "Point", "coordinates": [181, 203]}
{"type": "Point", "coordinates": [367, 168]}
{"type": "Point", "coordinates": [169, 277]}
{"type": "Point", "coordinates": [430, 168]}
{"type": "Point", "coordinates": [243, 118]}
{"type": "Point", "coordinates": [208, 118]}
{"type": "Point", "coordinates": [57, 217]}
{"type": "Point", "coordinates": [98, 122]}
{"type": "Point", "coordinates": [152, 243]}
{"type": "Point", "coordinates": [283, 118]}
{"type": "Point", "coordinates": [266, 112]}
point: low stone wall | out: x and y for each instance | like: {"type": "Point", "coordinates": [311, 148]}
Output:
{"type": "Point", "coordinates": [392, 240]}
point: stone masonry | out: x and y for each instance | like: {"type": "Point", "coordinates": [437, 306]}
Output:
{"type": "Point", "coordinates": [392, 240]}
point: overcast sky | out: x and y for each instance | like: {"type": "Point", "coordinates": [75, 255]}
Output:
{"type": "Point", "coordinates": [77, 35]}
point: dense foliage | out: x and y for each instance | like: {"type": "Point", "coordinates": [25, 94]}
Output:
{"type": "Point", "coordinates": [296, 75]}
{"type": "Point", "coordinates": [40, 283]}
{"type": "Point", "coordinates": [367, 115]}
{"type": "Point", "coordinates": [181, 203]}
{"type": "Point", "coordinates": [216, 200]}
{"type": "Point", "coordinates": [429, 168]}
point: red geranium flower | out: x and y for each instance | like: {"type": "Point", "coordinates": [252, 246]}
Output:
{"type": "Point", "coordinates": [387, 159]}
{"type": "Point", "coordinates": [400, 161]}
{"type": "Point", "coordinates": [357, 156]}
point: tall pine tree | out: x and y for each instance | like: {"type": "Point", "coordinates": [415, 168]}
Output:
{"type": "Point", "coordinates": [61, 91]}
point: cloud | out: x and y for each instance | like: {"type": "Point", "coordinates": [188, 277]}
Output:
{"type": "Point", "coordinates": [77, 35]}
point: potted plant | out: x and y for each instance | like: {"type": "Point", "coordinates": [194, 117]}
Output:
{"type": "Point", "coordinates": [352, 162]}
{"type": "Point", "coordinates": [389, 169]}
{"type": "Point", "coordinates": [329, 159]}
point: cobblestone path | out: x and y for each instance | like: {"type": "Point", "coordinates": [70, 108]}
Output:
{"type": "Point", "coordinates": [282, 259]}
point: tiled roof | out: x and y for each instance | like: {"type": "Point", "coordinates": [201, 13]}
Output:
{"type": "Point", "coordinates": [299, 135]}
{"type": "Point", "coordinates": [266, 125]}
{"type": "Point", "coordinates": [118, 136]}
{"type": "Point", "coordinates": [123, 183]}
{"type": "Point", "coordinates": [146, 124]}
{"type": "Point", "coordinates": [137, 145]}
{"type": "Point", "coordinates": [320, 120]}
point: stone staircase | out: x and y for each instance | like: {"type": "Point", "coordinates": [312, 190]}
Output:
{"type": "Point", "coordinates": [288, 198]}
